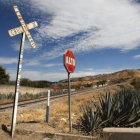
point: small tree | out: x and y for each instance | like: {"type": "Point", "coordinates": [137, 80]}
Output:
{"type": "Point", "coordinates": [4, 78]}
{"type": "Point", "coordinates": [24, 81]}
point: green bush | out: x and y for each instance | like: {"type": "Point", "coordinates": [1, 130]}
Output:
{"type": "Point", "coordinates": [4, 77]}
{"type": "Point", "coordinates": [37, 84]}
{"type": "Point", "coordinates": [10, 96]}
{"type": "Point", "coordinates": [121, 109]}
{"type": "Point", "coordinates": [136, 83]}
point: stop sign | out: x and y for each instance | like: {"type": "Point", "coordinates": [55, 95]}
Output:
{"type": "Point", "coordinates": [69, 61]}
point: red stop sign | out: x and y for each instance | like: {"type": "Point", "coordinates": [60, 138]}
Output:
{"type": "Point", "coordinates": [69, 61]}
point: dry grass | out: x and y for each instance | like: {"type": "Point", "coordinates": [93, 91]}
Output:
{"type": "Point", "coordinates": [58, 111]}
{"type": "Point", "coordinates": [5, 101]}
{"type": "Point", "coordinates": [6, 89]}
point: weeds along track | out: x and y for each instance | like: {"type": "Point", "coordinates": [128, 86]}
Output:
{"type": "Point", "coordinates": [54, 97]}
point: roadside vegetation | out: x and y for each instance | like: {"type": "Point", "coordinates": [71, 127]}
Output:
{"type": "Point", "coordinates": [136, 83]}
{"type": "Point", "coordinates": [5, 80]}
{"type": "Point", "coordinates": [10, 96]}
{"type": "Point", "coordinates": [37, 84]}
{"type": "Point", "coordinates": [121, 109]}
{"type": "Point", "coordinates": [4, 77]}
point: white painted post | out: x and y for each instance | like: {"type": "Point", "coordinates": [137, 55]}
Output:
{"type": "Point", "coordinates": [17, 85]}
{"type": "Point", "coordinates": [48, 107]}
{"type": "Point", "coordinates": [24, 29]}
{"type": "Point", "coordinates": [48, 98]}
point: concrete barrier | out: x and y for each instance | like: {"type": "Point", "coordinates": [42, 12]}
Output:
{"type": "Point", "coordinates": [122, 133]}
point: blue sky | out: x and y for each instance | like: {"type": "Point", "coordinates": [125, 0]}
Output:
{"type": "Point", "coordinates": [103, 34]}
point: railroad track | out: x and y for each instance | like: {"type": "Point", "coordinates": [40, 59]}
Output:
{"type": "Point", "coordinates": [42, 99]}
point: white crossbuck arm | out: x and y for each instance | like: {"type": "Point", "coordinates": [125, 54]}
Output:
{"type": "Point", "coordinates": [24, 27]}
{"type": "Point", "coordinates": [20, 30]}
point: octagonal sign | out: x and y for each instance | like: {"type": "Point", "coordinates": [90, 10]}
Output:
{"type": "Point", "coordinates": [69, 61]}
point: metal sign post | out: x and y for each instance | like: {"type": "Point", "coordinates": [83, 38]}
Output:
{"type": "Point", "coordinates": [69, 63]}
{"type": "Point", "coordinates": [24, 30]}
{"type": "Point", "coordinates": [17, 84]}
{"type": "Point", "coordinates": [69, 102]}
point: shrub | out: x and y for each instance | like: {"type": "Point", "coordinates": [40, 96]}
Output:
{"type": "Point", "coordinates": [10, 96]}
{"type": "Point", "coordinates": [4, 78]}
{"type": "Point", "coordinates": [37, 84]}
{"type": "Point", "coordinates": [136, 83]}
{"type": "Point", "coordinates": [121, 109]}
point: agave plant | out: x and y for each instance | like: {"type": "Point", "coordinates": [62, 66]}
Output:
{"type": "Point", "coordinates": [10, 96]}
{"type": "Point", "coordinates": [90, 120]}
{"type": "Point", "coordinates": [121, 109]}
{"type": "Point", "coordinates": [126, 105]}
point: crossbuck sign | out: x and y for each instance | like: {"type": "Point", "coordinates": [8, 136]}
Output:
{"type": "Point", "coordinates": [24, 29]}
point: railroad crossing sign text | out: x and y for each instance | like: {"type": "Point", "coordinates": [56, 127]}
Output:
{"type": "Point", "coordinates": [23, 28]}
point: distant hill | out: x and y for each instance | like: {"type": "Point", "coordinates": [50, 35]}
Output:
{"type": "Point", "coordinates": [124, 74]}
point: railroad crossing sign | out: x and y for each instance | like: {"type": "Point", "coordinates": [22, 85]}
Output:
{"type": "Point", "coordinates": [24, 29]}
{"type": "Point", "coordinates": [70, 64]}
{"type": "Point", "coordinates": [20, 30]}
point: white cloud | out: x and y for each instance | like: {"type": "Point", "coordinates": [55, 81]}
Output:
{"type": "Point", "coordinates": [88, 69]}
{"type": "Point", "coordinates": [53, 64]}
{"type": "Point", "coordinates": [136, 56]}
{"type": "Point", "coordinates": [56, 76]}
{"type": "Point", "coordinates": [36, 75]}
{"type": "Point", "coordinates": [27, 46]}
{"type": "Point", "coordinates": [8, 60]}
{"type": "Point", "coordinates": [92, 24]}
{"type": "Point", "coordinates": [104, 24]}
{"type": "Point", "coordinates": [83, 73]}
{"type": "Point", "coordinates": [16, 45]}
{"type": "Point", "coordinates": [31, 63]}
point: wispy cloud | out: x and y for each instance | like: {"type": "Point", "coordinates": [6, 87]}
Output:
{"type": "Point", "coordinates": [8, 60]}
{"type": "Point", "coordinates": [27, 46]}
{"type": "Point", "coordinates": [39, 63]}
{"type": "Point", "coordinates": [31, 63]}
{"type": "Point", "coordinates": [88, 69]}
{"type": "Point", "coordinates": [56, 76]}
{"type": "Point", "coordinates": [53, 64]}
{"type": "Point", "coordinates": [136, 56]}
{"type": "Point", "coordinates": [87, 25]}
{"type": "Point", "coordinates": [16, 45]}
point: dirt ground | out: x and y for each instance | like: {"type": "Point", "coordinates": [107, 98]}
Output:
{"type": "Point", "coordinates": [34, 118]}
{"type": "Point", "coordinates": [5, 136]}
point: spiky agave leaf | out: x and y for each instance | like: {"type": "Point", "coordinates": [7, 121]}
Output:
{"type": "Point", "coordinates": [124, 108]}
{"type": "Point", "coordinates": [90, 120]}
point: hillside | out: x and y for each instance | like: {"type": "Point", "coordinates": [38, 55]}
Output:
{"type": "Point", "coordinates": [124, 74]}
